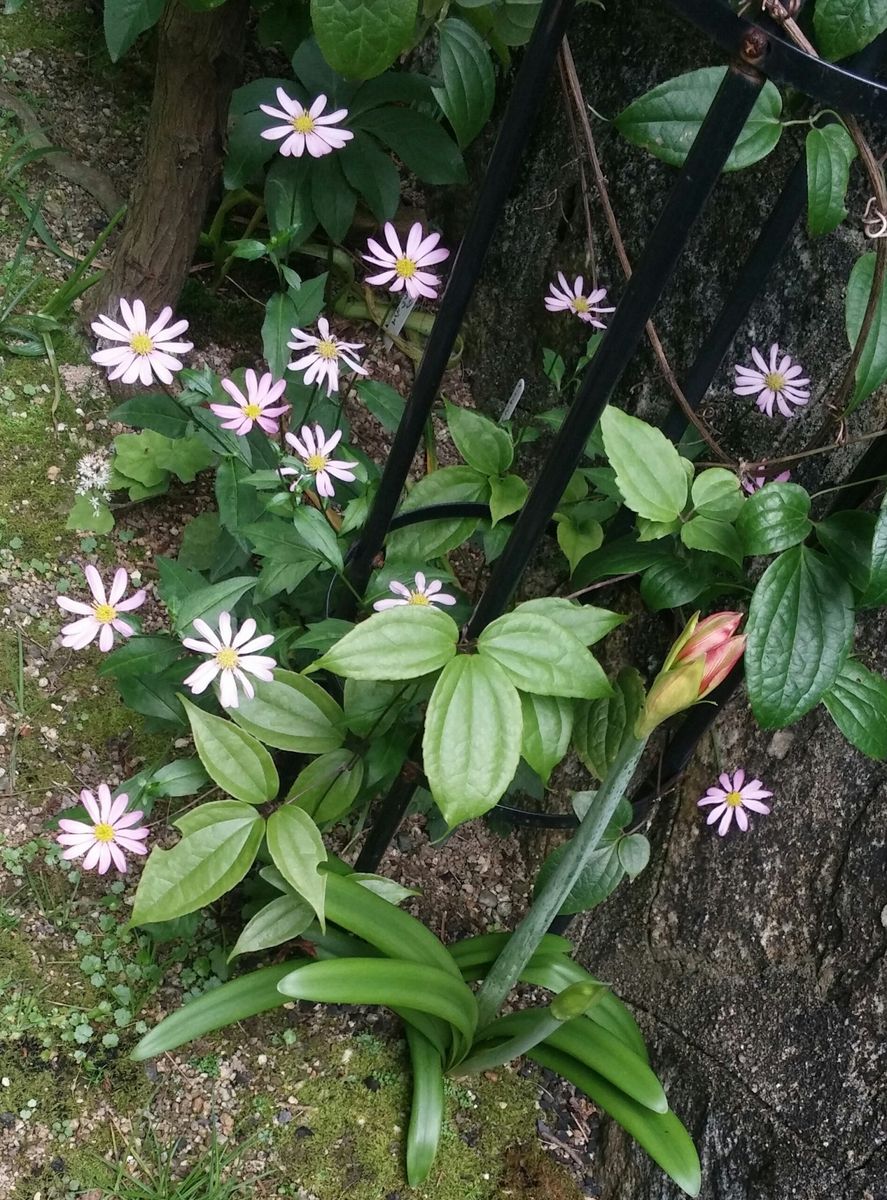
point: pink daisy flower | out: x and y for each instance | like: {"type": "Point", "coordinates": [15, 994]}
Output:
{"type": "Point", "coordinates": [754, 483]}
{"type": "Point", "coordinates": [732, 799]}
{"type": "Point", "coordinates": [232, 657]}
{"type": "Point", "coordinates": [404, 266]}
{"type": "Point", "coordinates": [422, 593]}
{"type": "Point", "coordinates": [101, 618]}
{"type": "Point", "coordinates": [147, 350]}
{"type": "Point", "coordinates": [572, 298]}
{"type": "Point", "coordinates": [255, 406]}
{"type": "Point", "coordinates": [306, 128]}
{"type": "Point", "coordinates": [777, 382]}
{"type": "Point", "coordinates": [314, 449]}
{"type": "Point", "coordinates": [110, 833]}
{"type": "Point", "coordinates": [322, 361]}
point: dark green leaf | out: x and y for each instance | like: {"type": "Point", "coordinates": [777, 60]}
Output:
{"type": "Point", "coordinates": [469, 85]}
{"type": "Point", "coordinates": [360, 38]}
{"type": "Point", "coordinates": [418, 140]}
{"type": "Point", "coordinates": [857, 701]}
{"type": "Point", "coordinates": [845, 26]}
{"type": "Point", "coordinates": [383, 402]}
{"type": "Point", "coordinates": [847, 538]}
{"type": "Point", "coordinates": [774, 518]}
{"type": "Point", "coordinates": [280, 319]}
{"type": "Point", "coordinates": [371, 172]}
{"type": "Point", "coordinates": [675, 581]}
{"type": "Point", "coordinates": [830, 151]}
{"type": "Point", "coordinates": [247, 151]}
{"type": "Point", "coordinates": [288, 200]}
{"type": "Point", "coordinates": [125, 20]}
{"type": "Point", "coordinates": [141, 655]}
{"type": "Point", "coordinates": [155, 411]}
{"type": "Point", "coordinates": [332, 197]}
{"type": "Point", "coordinates": [876, 590]}
{"type": "Point", "coordinates": [600, 726]}
{"type": "Point", "coordinates": [872, 369]}
{"type": "Point", "coordinates": [484, 445]}
{"type": "Point", "coordinates": [283, 919]}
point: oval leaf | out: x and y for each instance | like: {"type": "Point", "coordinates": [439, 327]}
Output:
{"type": "Point", "coordinates": [830, 151]}
{"type": "Point", "coordinates": [547, 726]}
{"type": "Point", "coordinates": [239, 764]}
{"type": "Point", "coordinates": [774, 518]}
{"type": "Point", "coordinates": [539, 655]}
{"type": "Point", "coordinates": [360, 38]}
{"type": "Point", "coordinates": [292, 713]}
{"type": "Point", "coordinates": [281, 920]}
{"type": "Point", "coordinates": [648, 468]}
{"type": "Point", "coordinates": [295, 845]}
{"type": "Point", "coordinates": [469, 85]}
{"type": "Point", "coordinates": [399, 643]}
{"type": "Point", "coordinates": [857, 702]}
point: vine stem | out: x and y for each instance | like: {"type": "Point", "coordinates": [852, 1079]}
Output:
{"type": "Point", "coordinates": [519, 948]}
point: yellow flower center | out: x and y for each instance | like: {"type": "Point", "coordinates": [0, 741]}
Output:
{"type": "Point", "coordinates": [733, 799]}
{"type": "Point", "coordinates": [316, 462]}
{"type": "Point", "coordinates": [253, 411]}
{"type": "Point", "coordinates": [105, 613]}
{"type": "Point", "coordinates": [326, 348]}
{"type": "Point", "coordinates": [227, 658]}
{"type": "Point", "coordinates": [774, 381]}
{"type": "Point", "coordinates": [580, 304]}
{"type": "Point", "coordinates": [418, 598]}
{"type": "Point", "coordinates": [303, 123]}
{"type": "Point", "coordinates": [103, 832]}
{"type": "Point", "coordinates": [141, 343]}
{"type": "Point", "coordinates": [405, 268]}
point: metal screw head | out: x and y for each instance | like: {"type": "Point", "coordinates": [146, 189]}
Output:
{"type": "Point", "coordinates": [754, 46]}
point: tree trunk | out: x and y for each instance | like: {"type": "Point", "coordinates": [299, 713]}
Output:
{"type": "Point", "coordinates": [199, 60]}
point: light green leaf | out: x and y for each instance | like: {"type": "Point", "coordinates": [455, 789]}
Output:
{"type": "Point", "coordinates": [830, 151]}
{"type": "Point", "coordinates": [280, 318]}
{"type": "Point", "coordinates": [292, 713]}
{"type": "Point", "coordinates": [360, 38]}
{"type": "Point", "coordinates": [584, 621]}
{"type": "Point", "coordinates": [872, 369]}
{"type": "Point", "coordinates": [648, 468]}
{"type": "Point", "coordinates": [634, 853]}
{"type": "Point", "coordinates": [239, 764]}
{"type": "Point", "coordinates": [469, 85]}
{"type": "Point", "coordinates": [774, 518]}
{"type": "Point", "coordinates": [654, 531]}
{"type": "Point", "coordinates": [547, 725]}
{"type": "Point", "coordinates": [716, 493]}
{"type": "Point", "coordinates": [279, 921]}
{"type": "Point", "coordinates": [507, 495]}
{"type": "Point", "coordinates": [206, 603]}
{"type": "Point", "coordinates": [399, 643]}
{"type": "Point", "coordinates": [665, 121]}
{"type": "Point", "coordinates": [184, 777]}
{"type": "Point", "coordinates": [295, 845]}
{"type": "Point", "coordinates": [472, 740]}
{"type": "Point", "coordinates": [715, 537]}
{"type": "Point", "coordinates": [857, 702]}
{"type": "Point", "coordinates": [600, 726]}
{"type": "Point", "coordinates": [382, 886]}
{"type": "Point", "coordinates": [201, 867]}
{"type": "Point", "coordinates": [845, 26]}
{"type": "Point", "coordinates": [483, 444]}
{"type": "Point", "coordinates": [90, 514]}
{"type": "Point", "coordinates": [577, 538]}
{"type": "Point", "coordinates": [317, 534]}
{"type": "Point", "coordinates": [431, 539]}
{"type": "Point", "coordinates": [328, 786]}
{"type": "Point", "coordinates": [539, 655]}
{"type": "Point", "coordinates": [800, 629]}
{"type": "Point", "coordinates": [125, 20]}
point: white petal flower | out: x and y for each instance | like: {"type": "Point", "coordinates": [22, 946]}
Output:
{"type": "Point", "coordinates": [147, 350]}
{"type": "Point", "coordinates": [776, 382]}
{"type": "Point", "coordinates": [306, 128]}
{"type": "Point", "coordinates": [232, 657]}
{"type": "Point", "coordinates": [102, 840]}
{"type": "Point", "coordinates": [422, 593]}
{"type": "Point", "coordinates": [404, 266]}
{"type": "Point", "coordinates": [256, 407]}
{"type": "Point", "coordinates": [101, 618]}
{"type": "Point", "coordinates": [325, 352]}
{"type": "Point", "coordinates": [572, 298]}
{"type": "Point", "coordinates": [315, 449]}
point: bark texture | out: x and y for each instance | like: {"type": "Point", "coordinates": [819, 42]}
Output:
{"type": "Point", "coordinates": [756, 963]}
{"type": "Point", "coordinates": [199, 58]}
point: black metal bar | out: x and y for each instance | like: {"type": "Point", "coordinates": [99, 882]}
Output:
{"type": "Point", "coordinates": [391, 810]}
{"type": "Point", "coordinates": [523, 107]}
{"type": "Point", "coordinates": [780, 60]}
{"type": "Point", "coordinates": [711, 149]}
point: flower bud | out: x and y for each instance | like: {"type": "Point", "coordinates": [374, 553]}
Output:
{"type": "Point", "coordinates": [709, 634]}
{"type": "Point", "coordinates": [575, 1000]}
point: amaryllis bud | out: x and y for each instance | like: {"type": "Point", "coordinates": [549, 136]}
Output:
{"type": "Point", "coordinates": [720, 662]}
{"type": "Point", "coordinates": [709, 634]}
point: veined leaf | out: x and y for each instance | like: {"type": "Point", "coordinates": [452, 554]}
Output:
{"type": "Point", "coordinates": [545, 738]}
{"type": "Point", "coordinates": [292, 712]}
{"type": "Point", "coordinates": [539, 655]}
{"type": "Point", "coordinates": [399, 643]}
{"type": "Point", "coordinates": [281, 920]}
{"type": "Point", "coordinates": [648, 468]}
{"type": "Point", "coordinates": [857, 702]}
{"type": "Point", "coordinates": [297, 849]}
{"type": "Point", "coordinates": [238, 763]}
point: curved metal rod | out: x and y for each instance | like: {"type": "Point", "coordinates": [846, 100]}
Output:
{"type": "Point", "coordinates": [780, 60]}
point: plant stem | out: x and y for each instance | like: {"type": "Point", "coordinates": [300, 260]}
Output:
{"type": "Point", "coordinates": [519, 949]}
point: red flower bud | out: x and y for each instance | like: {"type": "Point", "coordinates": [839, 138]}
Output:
{"type": "Point", "coordinates": [710, 634]}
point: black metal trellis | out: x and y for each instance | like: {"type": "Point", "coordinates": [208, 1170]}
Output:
{"type": "Point", "coordinates": [758, 52]}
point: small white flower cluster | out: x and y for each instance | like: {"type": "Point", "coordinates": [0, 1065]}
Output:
{"type": "Point", "coordinates": [93, 473]}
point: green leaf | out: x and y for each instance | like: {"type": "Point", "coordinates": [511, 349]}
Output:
{"type": "Point", "coordinates": [847, 539]}
{"type": "Point", "coordinates": [830, 151]}
{"type": "Point", "coordinates": [279, 921]}
{"type": "Point", "coordinates": [288, 202]}
{"type": "Point", "coordinates": [309, 299]}
{"type": "Point", "coordinates": [634, 853]}
{"type": "Point", "coordinates": [507, 495]}
{"type": "Point", "coordinates": [360, 38]}
{"type": "Point", "coordinates": [600, 726]}
{"type": "Point", "coordinates": [397, 983]}
{"type": "Point", "coordinates": [648, 468]}
{"type": "Point", "coordinates": [292, 713]}
{"type": "Point", "coordinates": [547, 726]}
{"type": "Point", "coordinates": [431, 539]}
{"type": "Point", "coordinates": [716, 494]}
{"type": "Point", "coordinates": [483, 444]}
{"type": "Point", "coordinates": [317, 535]}
{"type": "Point", "coordinates": [90, 514]}
{"type": "Point", "coordinates": [209, 601]}
{"type": "Point", "coordinates": [399, 643]}
{"type": "Point", "coordinates": [774, 518]}
{"type": "Point", "coordinates": [876, 590]}
{"type": "Point", "coordinates": [125, 20]}
{"type": "Point", "coordinates": [332, 197]}
{"type": "Point", "coordinates": [295, 845]}
{"type": "Point", "coordinates": [184, 777]}
{"type": "Point", "coordinates": [584, 621]}
{"type": "Point", "coordinates": [857, 702]}
{"type": "Point", "coordinates": [280, 319]}
{"type": "Point", "coordinates": [371, 172]}
{"type": "Point", "coordinates": [469, 85]}
{"type": "Point", "coordinates": [426, 1107]}
{"type": "Point", "coordinates": [715, 537]}
{"type": "Point", "coordinates": [278, 540]}
{"type": "Point", "coordinates": [665, 121]}
{"type": "Point", "coordinates": [380, 885]}
{"type": "Point", "coordinates": [872, 369]}
{"type": "Point", "coordinates": [513, 21]}
{"type": "Point", "coordinates": [372, 707]}
{"type": "Point", "coordinates": [539, 655]}
{"type": "Point", "coordinates": [383, 402]}
{"type": "Point", "coordinates": [800, 628]}
{"type": "Point", "coordinates": [155, 411]}
{"type": "Point", "coordinates": [676, 581]}
{"type": "Point", "coordinates": [328, 786]}
{"type": "Point", "coordinates": [201, 867]}
{"type": "Point", "coordinates": [247, 151]}
{"type": "Point", "coordinates": [141, 655]}
{"type": "Point", "coordinates": [578, 538]}
{"type": "Point", "coordinates": [239, 504]}
{"type": "Point", "coordinates": [418, 141]}
{"type": "Point", "coordinates": [239, 764]}
{"type": "Point", "coordinates": [471, 746]}
{"type": "Point", "coordinates": [845, 26]}
{"type": "Point", "coordinates": [152, 696]}
{"type": "Point", "coordinates": [600, 876]}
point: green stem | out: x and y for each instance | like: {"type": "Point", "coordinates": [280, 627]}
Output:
{"type": "Point", "coordinates": [488, 1058]}
{"type": "Point", "coordinates": [519, 948]}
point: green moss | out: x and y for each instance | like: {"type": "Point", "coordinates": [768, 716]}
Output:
{"type": "Point", "coordinates": [34, 28]}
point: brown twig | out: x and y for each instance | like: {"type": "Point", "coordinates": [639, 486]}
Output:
{"type": "Point", "coordinates": [568, 66]}
{"type": "Point", "coordinates": [583, 181]}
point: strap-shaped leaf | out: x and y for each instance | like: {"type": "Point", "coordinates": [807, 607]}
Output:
{"type": "Point", "coordinates": [427, 1108]}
